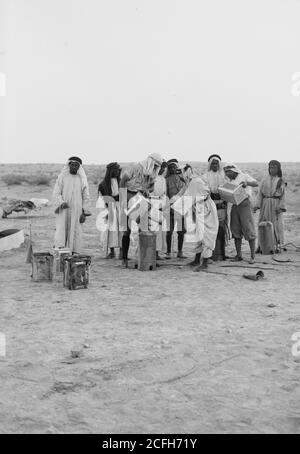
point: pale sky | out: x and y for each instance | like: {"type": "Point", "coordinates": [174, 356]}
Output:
{"type": "Point", "coordinates": [114, 80]}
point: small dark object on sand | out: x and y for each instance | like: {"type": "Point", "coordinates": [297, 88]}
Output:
{"type": "Point", "coordinates": [255, 277]}
{"type": "Point", "coordinates": [76, 354]}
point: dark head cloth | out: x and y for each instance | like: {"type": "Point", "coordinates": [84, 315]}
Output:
{"type": "Point", "coordinates": [214, 156]}
{"type": "Point", "coordinates": [278, 164]}
{"type": "Point", "coordinates": [105, 186]}
{"type": "Point", "coordinates": [113, 165]}
{"type": "Point", "coordinates": [76, 159]}
{"type": "Point", "coordinates": [172, 162]}
{"type": "Point", "coordinates": [162, 168]}
{"type": "Point", "coordinates": [187, 166]}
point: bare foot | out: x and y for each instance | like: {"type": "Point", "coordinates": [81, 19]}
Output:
{"type": "Point", "coordinates": [238, 258]}
{"type": "Point", "coordinates": [200, 268]}
{"type": "Point", "coordinates": [181, 256]}
{"type": "Point", "coordinates": [192, 264]}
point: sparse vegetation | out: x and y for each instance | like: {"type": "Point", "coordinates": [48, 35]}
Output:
{"type": "Point", "coordinates": [46, 174]}
{"type": "Point", "coordinates": [34, 179]}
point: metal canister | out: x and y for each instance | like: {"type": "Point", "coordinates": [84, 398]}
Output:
{"type": "Point", "coordinates": [59, 254]}
{"type": "Point", "coordinates": [147, 251]}
{"type": "Point", "coordinates": [266, 238]}
{"type": "Point", "coordinates": [42, 266]}
{"type": "Point", "coordinates": [77, 272]}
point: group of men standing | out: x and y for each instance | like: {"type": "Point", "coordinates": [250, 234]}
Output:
{"type": "Point", "coordinates": [214, 221]}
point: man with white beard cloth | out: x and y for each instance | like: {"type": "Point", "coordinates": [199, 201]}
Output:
{"type": "Point", "coordinates": [139, 178]}
{"type": "Point", "coordinates": [215, 178]}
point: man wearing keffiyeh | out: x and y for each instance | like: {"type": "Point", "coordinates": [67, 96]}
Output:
{"type": "Point", "coordinates": [70, 198]}
{"type": "Point", "coordinates": [108, 205]}
{"type": "Point", "coordinates": [215, 178]}
{"type": "Point", "coordinates": [271, 202]}
{"type": "Point", "coordinates": [139, 178]}
{"type": "Point", "coordinates": [241, 218]}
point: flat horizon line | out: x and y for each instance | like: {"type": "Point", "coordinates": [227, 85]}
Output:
{"type": "Point", "coordinates": [132, 162]}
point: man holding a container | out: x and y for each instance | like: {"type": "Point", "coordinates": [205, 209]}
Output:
{"type": "Point", "coordinates": [242, 220]}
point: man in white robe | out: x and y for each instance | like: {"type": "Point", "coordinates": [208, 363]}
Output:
{"type": "Point", "coordinates": [197, 198]}
{"type": "Point", "coordinates": [139, 178]}
{"type": "Point", "coordinates": [159, 202]}
{"type": "Point", "coordinates": [214, 179]}
{"type": "Point", "coordinates": [70, 198]}
{"type": "Point", "coordinates": [108, 210]}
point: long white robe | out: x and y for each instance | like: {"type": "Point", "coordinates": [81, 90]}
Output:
{"type": "Point", "coordinates": [270, 188]}
{"type": "Point", "coordinates": [108, 224]}
{"type": "Point", "coordinates": [160, 205]}
{"type": "Point", "coordinates": [73, 190]}
{"type": "Point", "coordinates": [215, 180]}
{"type": "Point", "coordinates": [205, 215]}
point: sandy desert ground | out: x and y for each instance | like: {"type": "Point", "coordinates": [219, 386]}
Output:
{"type": "Point", "coordinates": [169, 351]}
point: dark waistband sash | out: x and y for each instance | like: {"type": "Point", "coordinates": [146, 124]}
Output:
{"type": "Point", "coordinates": [273, 197]}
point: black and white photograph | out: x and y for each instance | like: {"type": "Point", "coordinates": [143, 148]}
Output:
{"type": "Point", "coordinates": [149, 219]}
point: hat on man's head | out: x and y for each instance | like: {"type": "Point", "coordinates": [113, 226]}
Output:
{"type": "Point", "coordinates": [172, 162]}
{"type": "Point", "coordinates": [76, 159]}
{"type": "Point", "coordinates": [113, 165]}
{"type": "Point", "coordinates": [216, 156]}
{"type": "Point", "coordinates": [156, 157]}
{"type": "Point", "coordinates": [230, 166]}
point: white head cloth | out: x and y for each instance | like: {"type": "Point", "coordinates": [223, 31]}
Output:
{"type": "Point", "coordinates": [152, 160]}
{"type": "Point", "coordinates": [81, 173]}
{"type": "Point", "coordinates": [233, 167]}
{"type": "Point", "coordinates": [214, 179]}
